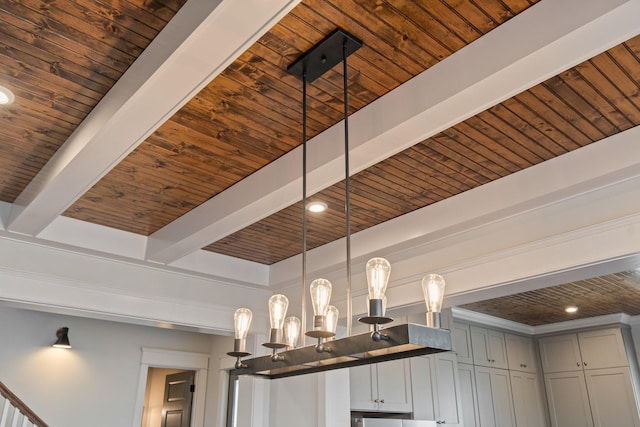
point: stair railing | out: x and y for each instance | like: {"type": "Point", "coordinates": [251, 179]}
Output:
{"type": "Point", "coordinates": [14, 412]}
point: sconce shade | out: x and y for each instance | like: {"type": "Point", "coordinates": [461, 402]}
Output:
{"type": "Point", "coordinates": [63, 338]}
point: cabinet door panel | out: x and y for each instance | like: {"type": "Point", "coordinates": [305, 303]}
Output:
{"type": "Point", "coordinates": [527, 400]}
{"type": "Point", "coordinates": [461, 336]}
{"type": "Point", "coordinates": [602, 349]}
{"type": "Point", "coordinates": [560, 353]}
{"type": "Point", "coordinates": [394, 386]}
{"type": "Point", "coordinates": [611, 397]}
{"type": "Point", "coordinates": [495, 405]}
{"type": "Point", "coordinates": [568, 400]}
{"type": "Point", "coordinates": [363, 388]}
{"type": "Point", "coordinates": [468, 395]}
{"type": "Point", "coordinates": [489, 348]}
{"type": "Point", "coordinates": [520, 353]}
{"type": "Point", "coordinates": [447, 392]}
{"type": "Point", "coordinates": [422, 388]}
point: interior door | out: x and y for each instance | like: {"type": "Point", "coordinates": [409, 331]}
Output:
{"type": "Point", "coordinates": [178, 394]}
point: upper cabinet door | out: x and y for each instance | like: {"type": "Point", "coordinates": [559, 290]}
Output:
{"type": "Point", "coordinates": [520, 353]}
{"type": "Point", "coordinates": [602, 349]}
{"type": "Point", "coordinates": [560, 353]}
{"type": "Point", "coordinates": [394, 386]}
{"type": "Point", "coordinates": [364, 388]}
{"type": "Point", "coordinates": [489, 348]}
{"type": "Point", "coordinates": [461, 336]}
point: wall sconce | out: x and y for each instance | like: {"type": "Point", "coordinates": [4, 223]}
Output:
{"type": "Point", "coordinates": [63, 338]}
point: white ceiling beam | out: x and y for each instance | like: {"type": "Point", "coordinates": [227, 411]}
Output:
{"type": "Point", "coordinates": [202, 39]}
{"type": "Point", "coordinates": [544, 40]}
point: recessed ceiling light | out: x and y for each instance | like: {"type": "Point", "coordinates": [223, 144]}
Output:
{"type": "Point", "coordinates": [316, 207]}
{"type": "Point", "coordinates": [571, 309]}
{"type": "Point", "coordinates": [6, 96]}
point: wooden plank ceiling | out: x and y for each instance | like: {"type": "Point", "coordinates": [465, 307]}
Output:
{"type": "Point", "coordinates": [61, 57]}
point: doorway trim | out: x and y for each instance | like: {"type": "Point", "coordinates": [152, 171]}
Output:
{"type": "Point", "coordinates": [158, 358]}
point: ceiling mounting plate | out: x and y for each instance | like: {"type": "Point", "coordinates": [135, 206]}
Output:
{"type": "Point", "coordinates": [324, 55]}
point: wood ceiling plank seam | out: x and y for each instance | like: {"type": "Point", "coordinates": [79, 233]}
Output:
{"type": "Point", "coordinates": [455, 22]}
{"type": "Point", "coordinates": [496, 10]}
{"type": "Point", "coordinates": [523, 129]}
{"type": "Point", "coordinates": [202, 109]}
{"type": "Point", "coordinates": [446, 149]}
{"type": "Point", "coordinates": [517, 6]}
{"type": "Point", "coordinates": [360, 61]}
{"type": "Point", "coordinates": [42, 44]}
{"type": "Point", "coordinates": [598, 99]}
{"type": "Point", "coordinates": [139, 14]}
{"type": "Point", "coordinates": [456, 134]}
{"type": "Point", "coordinates": [38, 119]}
{"type": "Point", "coordinates": [440, 176]}
{"type": "Point", "coordinates": [184, 141]}
{"type": "Point", "coordinates": [164, 10]}
{"type": "Point", "coordinates": [410, 55]}
{"type": "Point", "coordinates": [51, 135]}
{"type": "Point", "coordinates": [507, 155]}
{"type": "Point", "coordinates": [420, 193]}
{"type": "Point", "coordinates": [435, 28]}
{"type": "Point", "coordinates": [630, 85]}
{"type": "Point", "coordinates": [487, 132]}
{"type": "Point", "coordinates": [71, 37]}
{"type": "Point", "coordinates": [374, 50]}
{"type": "Point", "coordinates": [586, 110]}
{"type": "Point", "coordinates": [44, 111]}
{"type": "Point", "coordinates": [24, 63]}
{"type": "Point", "coordinates": [135, 223]}
{"type": "Point", "coordinates": [399, 179]}
{"type": "Point", "coordinates": [33, 154]}
{"type": "Point", "coordinates": [566, 136]}
{"type": "Point", "coordinates": [39, 142]}
{"type": "Point", "coordinates": [131, 19]}
{"type": "Point", "coordinates": [632, 46]}
{"type": "Point", "coordinates": [615, 80]}
{"type": "Point", "coordinates": [411, 34]}
{"type": "Point", "coordinates": [474, 15]}
{"type": "Point", "coordinates": [465, 151]}
{"type": "Point", "coordinates": [232, 99]}
{"type": "Point", "coordinates": [556, 103]}
{"type": "Point", "coordinates": [80, 29]}
{"type": "Point", "coordinates": [365, 209]}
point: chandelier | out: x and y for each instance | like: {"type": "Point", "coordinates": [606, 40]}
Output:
{"type": "Point", "coordinates": [393, 342]}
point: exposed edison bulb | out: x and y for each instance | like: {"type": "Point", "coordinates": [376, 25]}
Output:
{"type": "Point", "coordinates": [378, 271]}
{"type": "Point", "coordinates": [320, 296]}
{"type": "Point", "coordinates": [278, 305]}
{"type": "Point", "coordinates": [332, 319]}
{"type": "Point", "coordinates": [242, 320]}
{"type": "Point", "coordinates": [433, 289]}
{"type": "Point", "coordinates": [291, 331]}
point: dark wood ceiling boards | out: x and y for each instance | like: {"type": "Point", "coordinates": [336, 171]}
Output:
{"type": "Point", "coordinates": [595, 99]}
{"type": "Point", "coordinates": [611, 294]}
{"type": "Point", "coordinates": [60, 57]}
{"type": "Point", "coordinates": [251, 114]}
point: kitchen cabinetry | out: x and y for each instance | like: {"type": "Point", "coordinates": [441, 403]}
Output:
{"type": "Point", "coordinates": [384, 387]}
{"type": "Point", "coordinates": [489, 348]}
{"type": "Point", "coordinates": [521, 353]}
{"type": "Point", "coordinates": [584, 350]}
{"type": "Point", "coordinates": [461, 336]}
{"type": "Point", "coordinates": [527, 400]}
{"type": "Point", "coordinates": [595, 388]}
{"type": "Point", "coordinates": [495, 404]}
{"type": "Point", "coordinates": [435, 389]}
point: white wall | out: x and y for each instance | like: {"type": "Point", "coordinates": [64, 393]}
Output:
{"type": "Point", "coordinates": [95, 383]}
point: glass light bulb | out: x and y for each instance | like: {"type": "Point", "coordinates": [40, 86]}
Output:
{"type": "Point", "coordinates": [320, 296]}
{"type": "Point", "coordinates": [242, 320]}
{"type": "Point", "coordinates": [278, 305]}
{"type": "Point", "coordinates": [291, 331]}
{"type": "Point", "coordinates": [433, 289]}
{"type": "Point", "coordinates": [378, 271]}
{"type": "Point", "coordinates": [332, 319]}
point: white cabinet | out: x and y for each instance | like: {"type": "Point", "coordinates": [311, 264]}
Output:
{"type": "Point", "coordinates": [495, 404]}
{"type": "Point", "coordinates": [585, 350]}
{"type": "Point", "coordinates": [382, 387]}
{"type": "Point", "coordinates": [468, 401]}
{"type": "Point", "coordinates": [435, 389]}
{"type": "Point", "coordinates": [489, 348]}
{"type": "Point", "coordinates": [527, 400]}
{"type": "Point", "coordinates": [461, 336]}
{"type": "Point", "coordinates": [595, 387]}
{"type": "Point", "coordinates": [521, 354]}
